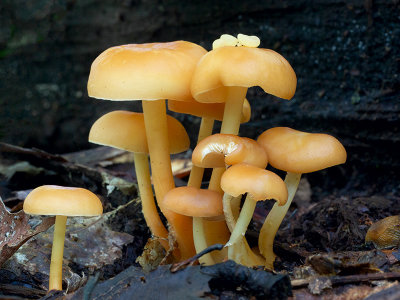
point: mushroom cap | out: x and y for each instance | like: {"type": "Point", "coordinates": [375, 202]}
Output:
{"type": "Point", "coordinates": [218, 150]}
{"type": "Point", "coordinates": [212, 110]}
{"type": "Point", "coordinates": [62, 201]}
{"type": "Point", "coordinates": [261, 184]}
{"type": "Point", "coordinates": [194, 202]}
{"type": "Point", "coordinates": [385, 233]}
{"type": "Point", "coordinates": [125, 130]}
{"type": "Point", "coordinates": [295, 151]}
{"type": "Point", "coordinates": [229, 66]}
{"type": "Point", "coordinates": [151, 71]}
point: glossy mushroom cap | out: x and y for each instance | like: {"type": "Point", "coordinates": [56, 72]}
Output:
{"type": "Point", "coordinates": [301, 152]}
{"type": "Point", "coordinates": [145, 71]}
{"type": "Point", "coordinates": [194, 202]}
{"type": "Point", "coordinates": [62, 201]}
{"type": "Point", "coordinates": [125, 130]}
{"type": "Point", "coordinates": [219, 150]}
{"type": "Point", "coordinates": [385, 233]}
{"type": "Point", "coordinates": [259, 183]}
{"type": "Point", "coordinates": [212, 110]}
{"type": "Point", "coordinates": [242, 67]}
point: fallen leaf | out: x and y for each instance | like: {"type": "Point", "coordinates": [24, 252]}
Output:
{"type": "Point", "coordinates": [16, 229]}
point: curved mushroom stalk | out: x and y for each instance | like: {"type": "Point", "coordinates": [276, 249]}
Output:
{"type": "Point", "coordinates": [274, 220]}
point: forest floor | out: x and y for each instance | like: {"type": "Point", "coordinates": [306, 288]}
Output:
{"type": "Point", "coordinates": [320, 245]}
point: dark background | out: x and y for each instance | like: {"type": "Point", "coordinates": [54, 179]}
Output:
{"type": "Point", "coordinates": [346, 56]}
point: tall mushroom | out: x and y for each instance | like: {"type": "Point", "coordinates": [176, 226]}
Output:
{"type": "Point", "coordinates": [62, 202]}
{"type": "Point", "coordinates": [295, 152]}
{"type": "Point", "coordinates": [151, 72]}
{"type": "Point", "coordinates": [125, 130]}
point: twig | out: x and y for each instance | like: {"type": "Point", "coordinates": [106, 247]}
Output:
{"type": "Point", "coordinates": [339, 280]}
{"type": "Point", "coordinates": [190, 261]}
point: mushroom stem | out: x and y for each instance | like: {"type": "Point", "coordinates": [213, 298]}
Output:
{"type": "Point", "coordinates": [230, 219]}
{"type": "Point", "coordinates": [233, 110]}
{"type": "Point", "coordinates": [149, 208]}
{"type": "Point", "coordinates": [243, 221]}
{"type": "Point", "coordinates": [55, 280]}
{"type": "Point", "coordinates": [196, 174]}
{"type": "Point", "coordinates": [195, 179]}
{"type": "Point", "coordinates": [274, 220]}
{"type": "Point", "coordinates": [200, 242]}
{"type": "Point", "coordinates": [230, 125]}
{"type": "Point", "coordinates": [155, 119]}
{"type": "Point", "coordinates": [241, 253]}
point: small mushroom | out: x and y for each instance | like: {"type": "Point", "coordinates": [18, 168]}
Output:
{"type": "Point", "coordinates": [125, 130]}
{"type": "Point", "coordinates": [259, 184]}
{"type": "Point", "coordinates": [150, 72]}
{"type": "Point", "coordinates": [62, 202]}
{"type": "Point", "coordinates": [219, 150]}
{"type": "Point", "coordinates": [295, 152]}
{"type": "Point", "coordinates": [196, 203]}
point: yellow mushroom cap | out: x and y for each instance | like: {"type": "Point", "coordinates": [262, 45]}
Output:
{"type": "Point", "coordinates": [385, 233]}
{"type": "Point", "coordinates": [261, 184]}
{"type": "Point", "coordinates": [211, 110]}
{"type": "Point", "coordinates": [301, 152]}
{"type": "Point", "coordinates": [218, 150]}
{"type": "Point", "coordinates": [125, 130]}
{"type": "Point", "coordinates": [151, 71]}
{"type": "Point", "coordinates": [62, 201]}
{"type": "Point", "coordinates": [243, 67]}
{"type": "Point", "coordinates": [194, 202]}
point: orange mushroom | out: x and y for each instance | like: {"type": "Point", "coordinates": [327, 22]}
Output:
{"type": "Point", "coordinates": [125, 130]}
{"type": "Point", "coordinates": [62, 202]}
{"type": "Point", "coordinates": [196, 203]}
{"type": "Point", "coordinates": [220, 150]}
{"type": "Point", "coordinates": [295, 152]}
{"type": "Point", "coordinates": [151, 72]}
{"type": "Point", "coordinates": [224, 74]}
{"type": "Point", "coordinates": [259, 184]}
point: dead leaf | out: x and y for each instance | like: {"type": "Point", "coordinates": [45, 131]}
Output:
{"type": "Point", "coordinates": [16, 229]}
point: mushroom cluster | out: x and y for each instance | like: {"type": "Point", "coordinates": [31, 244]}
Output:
{"type": "Point", "coordinates": [211, 85]}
